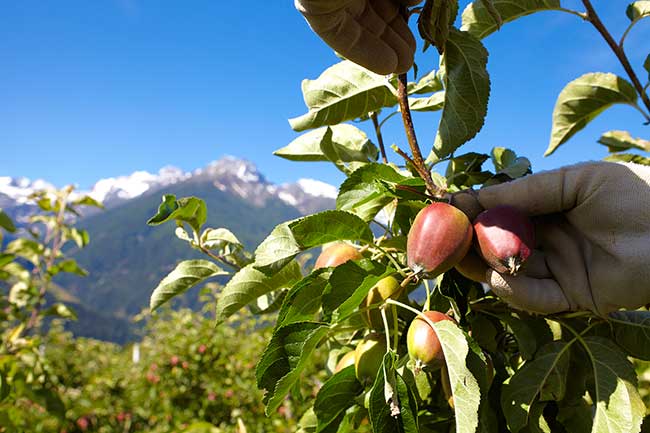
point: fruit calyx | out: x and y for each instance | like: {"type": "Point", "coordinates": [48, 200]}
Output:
{"type": "Point", "coordinates": [439, 238]}
{"type": "Point", "coordinates": [505, 238]}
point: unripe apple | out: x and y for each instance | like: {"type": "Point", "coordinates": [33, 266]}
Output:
{"type": "Point", "coordinates": [336, 255]}
{"type": "Point", "coordinates": [423, 344]}
{"type": "Point", "coordinates": [369, 356]}
{"type": "Point", "coordinates": [505, 238]}
{"type": "Point", "coordinates": [386, 288]}
{"type": "Point", "coordinates": [439, 238]}
{"type": "Point", "coordinates": [473, 267]}
{"type": "Point", "coordinates": [345, 361]}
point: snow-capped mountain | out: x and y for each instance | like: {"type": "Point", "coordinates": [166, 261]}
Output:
{"type": "Point", "coordinates": [236, 176]}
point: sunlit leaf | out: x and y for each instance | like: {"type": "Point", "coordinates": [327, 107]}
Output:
{"type": "Point", "coordinates": [190, 210]}
{"type": "Point", "coordinates": [343, 92]}
{"type": "Point", "coordinates": [335, 396]}
{"type": "Point", "coordinates": [619, 407]}
{"type": "Point", "coordinates": [288, 239]}
{"type": "Point", "coordinates": [619, 141]}
{"type": "Point", "coordinates": [543, 378]}
{"type": "Point", "coordinates": [478, 20]}
{"type": "Point", "coordinates": [186, 275]}
{"type": "Point", "coordinates": [582, 100]}
{"type": "Point", "coordinates": [638, 10]}
{"type": "Point", "coordinates": [467, 90]}
{"type": "Point", "coordinates": [6, 222]}
{"type": "Point", "coordinates": [284, 359]}
{"type": "Point", "coordinates": [248, 284]}
{"type": "Point", "coordinates": [436, 20]}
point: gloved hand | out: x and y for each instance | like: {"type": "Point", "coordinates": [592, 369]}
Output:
{"type": "Point", "coordinates": [371, 33]}
{"type": "Point", "coordinates": [593, 234]}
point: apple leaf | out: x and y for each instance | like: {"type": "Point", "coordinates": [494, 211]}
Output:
{"type": "Point", "coordinates": [638, 10]}
{"type": "Point", "coordinates": [543, 378]}
{"type": "Point", "coordinates": [6, 222]}
{"type": "Point", "coordinates": [363, 194]}
{"type": "Point", "coordinates": [335, 396]}
{"type": "Point", "coordinates": [584, 99]}
{"type": "Point", "coordinates": [287, 240]}
{"type": "Point", "coordinates": [467, 90]}
{"type": "Point", "coordinates": [190, 210]}
{"type": "Point", "coordinates": [187, 274]}
{"type": "Point", "coordinates": [343, 92]}
{"type": "Point", "coordinates": [619, 407]}
{"type": "Point", "coordinates": [249, 284]}
{"type": "Point", "coordinates": [339, 144]}
{"type": "Point", "coordinates": [478, 20]}
{"type": "Point", "coordinates": [619, 141]}
{"type": "Point", "coordinates": [632, 332]}
{"type": "Point", "coordinates": [284, 358]}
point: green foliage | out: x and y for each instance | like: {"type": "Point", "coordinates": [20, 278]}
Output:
{"type": "Point", "coordinates": [504, 370]}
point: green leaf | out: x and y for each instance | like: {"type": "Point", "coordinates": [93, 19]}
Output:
{"type": "Point", "coordinates": [6, 223]}
{"type": "Point", "coordinates": [524, 335]}
{"type": "Point", "coordinates": [70, 266]}
{"type": "Point", "coordinates": [343, 92]}
{"type": "Point", "coordinates": [289, 239]}
{"type": "Point", "coordinates": [219, 238]}
{"type": "Point", "coordinates": [576, 417]}
{"type": "Point", "coordinates": [79, 236]}
{"type": "Point", "coordinates": [349, 286]}
{"type": "Point", "coordinates": [464, 386]}
{"type": "Point", "coordinates": [584, 99]}
{"type": "Point", "coordinates": [465, 170]}
{"type": "Point", "coordinates": [646, 65]}
{"type": "Point", "coordinates": [27, 249]}
{"type": "Point", "coordinates": [284, 359]}
{"type": "Point", "coordinates": [507, 162]}
{"type": "Point", "coordinates": [478, 20]}
{"type": "Point", "coordinates": [61, 310]}
{"type": "Point", "coordinates": [628, 157]}
{"type": "Point", "coordinates": [467, 90]}
{"type": "Point", "coordinates": [619, 141]}
{"type": "Point", "coordinates": [429, 83]}
{"type": "Point", "coordinates": [190, 210]}
{"type": "Point", "coordinates": [249, 284]}
{"type": "Point", "coordinates": [536, 421]}
{"type": "Point", "coordinates": [638, 10]}
{"type": "Point", "coordinates": [619, 407]}
{"type": "Point", "coordinates": [335, 396]}
{"type": "Point", "coordinates": [435, 102]}
{"type": "Point", "coordinates": [339, 144]}
{"type": "Point", "coordinates": [363, 194]}
{"type": "Point", "coordinates": [303, 300]}
{"type": "Point", "coordinates": [392, 405]}
{"type": "Point", "coordinates": [187, 274]}
{"type": "Point", "coordinates": [6, 259]}
{"type": "Point", "coordinates": [542, 379]}
{"type": "Point", "coordinates": [632, 332]}
{"type": "Point", "coordinates": [436, 20]}
{"type": "Point", "coordinates": [87, 200]}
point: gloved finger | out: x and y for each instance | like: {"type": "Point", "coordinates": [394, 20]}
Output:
{"type": "Point", "coordinates": [467, 201]}
{"type": "Point", "coordinates": [546, 192]}
{"type": "Point", "coordinates": [372, 34]}
{"type": "Point", "coordinates": [536, 267]}
{"type": "Point", "coordinates": [541, 296]}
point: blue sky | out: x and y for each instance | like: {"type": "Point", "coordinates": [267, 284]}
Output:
{"type": "Point", "coordinates": [104, 88]}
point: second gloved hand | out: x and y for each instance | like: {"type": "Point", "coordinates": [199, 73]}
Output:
{"type": "Point", "coordinates": [371, 33]}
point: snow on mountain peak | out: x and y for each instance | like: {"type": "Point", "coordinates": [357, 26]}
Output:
{"type": "Point", "coordinates": [318, 188]}
{"type": "Point", "coordinates": [135, 184]}
{"type": "Point", "coordinates": [19, 189]}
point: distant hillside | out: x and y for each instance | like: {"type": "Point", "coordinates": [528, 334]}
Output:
{"type": "Point", "coordinates": [126, 258]}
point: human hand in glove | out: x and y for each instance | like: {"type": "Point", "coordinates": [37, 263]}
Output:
{"type": "Point", "coordinates": [593, 232]}
{"type": "Point", "coordinates": [371, 33]}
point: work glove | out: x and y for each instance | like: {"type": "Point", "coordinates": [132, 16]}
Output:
{"type": "Point", "coordinates": [371, 33]}
{"type": "Point", "coordinates": [593, 238]}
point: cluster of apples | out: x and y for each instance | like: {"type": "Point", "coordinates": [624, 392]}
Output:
{"type": "Point", "coordinates": [440, 238]}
